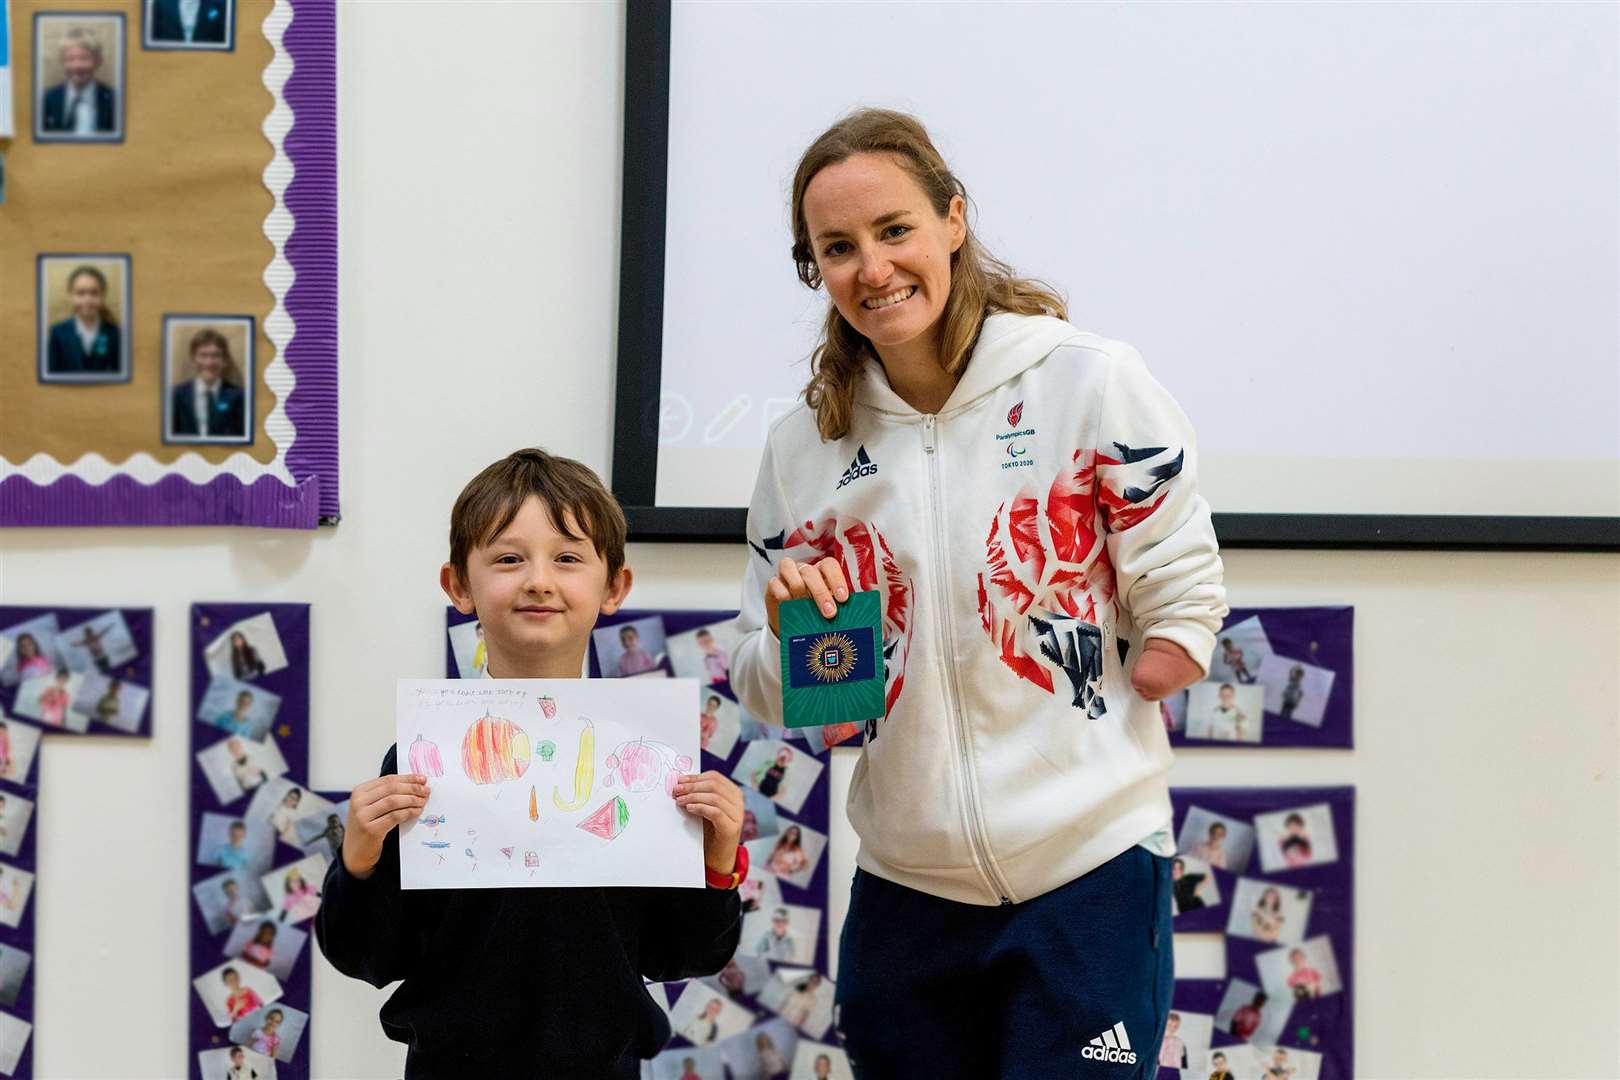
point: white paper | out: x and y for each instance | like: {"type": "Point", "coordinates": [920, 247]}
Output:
{"type": "Point", "coordinates": [549, 783]}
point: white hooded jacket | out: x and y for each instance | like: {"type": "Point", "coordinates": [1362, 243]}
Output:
{"type": "Point", "coordinates": [1026, 540]}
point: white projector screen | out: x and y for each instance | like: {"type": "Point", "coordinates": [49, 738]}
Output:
{"type": "Point", "coordinates": [1373, 249]}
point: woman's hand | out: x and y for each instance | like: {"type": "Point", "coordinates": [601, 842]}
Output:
{"type": "Point", "coordinates": [375, 808]}
{"type": "Point", "coordinates": [823, 582]}
{"type": "Point", "coordinates": [1163, 668]}
{"type": "Point", "coordinates": [719, 803]}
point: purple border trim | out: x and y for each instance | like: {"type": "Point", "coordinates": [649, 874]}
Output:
{"type": "Point", "coordinates": [311, 91]}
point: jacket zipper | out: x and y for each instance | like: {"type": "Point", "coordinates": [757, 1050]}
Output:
{"type": "Point", "coordinates": [953, 693]}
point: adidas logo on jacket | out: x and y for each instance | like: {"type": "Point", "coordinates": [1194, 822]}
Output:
{"type": "Point", "coordinates": [1014, 756]}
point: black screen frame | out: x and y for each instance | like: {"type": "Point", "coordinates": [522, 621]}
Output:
{"type": "Point", "coordinates": [638, 388]}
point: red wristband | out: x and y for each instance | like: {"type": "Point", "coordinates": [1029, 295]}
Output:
{"type": "Point", "coordinates": [738, 873]}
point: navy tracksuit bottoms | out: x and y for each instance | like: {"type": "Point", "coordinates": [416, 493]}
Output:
{"type": "Point", "coordinates": [1073, 983]}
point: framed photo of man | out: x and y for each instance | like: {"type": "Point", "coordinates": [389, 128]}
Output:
{"type": "Point", "coordinates": [79, 76]}
{"type": "Point", "coordinates": [206, 25]}
{"type": "Point", "coordinates": [208, 379]}
{"type": "Point", "coordinates": [83, 313]}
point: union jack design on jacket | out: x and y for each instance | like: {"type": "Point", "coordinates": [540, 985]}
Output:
{"type": "Point", "coordinates": [1014, 756]}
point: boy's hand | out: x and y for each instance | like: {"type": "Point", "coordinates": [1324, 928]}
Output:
{"type": "Point", "coordinates": [375, 807]}
{"type": "Point", "coordinates": [823, 582]}
{"type": "Point", "coordinates": [719, 803]}
{"type": "Point", "coordinates": [1163, 668]}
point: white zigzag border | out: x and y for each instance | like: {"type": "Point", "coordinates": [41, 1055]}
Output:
{"type": "Point", "coordinates": [95, 469]}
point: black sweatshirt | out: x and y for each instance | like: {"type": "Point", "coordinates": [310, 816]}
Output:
{"type": "Point", "coordinates": [521, 983]}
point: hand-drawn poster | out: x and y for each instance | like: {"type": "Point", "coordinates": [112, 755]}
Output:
{"type": "Point", "coordinates": [549, 783]}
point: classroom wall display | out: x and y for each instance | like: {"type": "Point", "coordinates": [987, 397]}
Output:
{"type": "Point", "coordinates": [1271, 870]}
{"type": "Point", "coordinates": [1278, 677]}
{"type": "Point", "coordinates": [262, 842]}
{"type": "Point", "coordinates": [176, 350]}
{"type": "Point", "coordinates": [63, 670]}
{"type": "Point", "coordinates": [776, 991]}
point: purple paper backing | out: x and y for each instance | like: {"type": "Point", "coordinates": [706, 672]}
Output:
{"type": "Point", "coordinates": [1325, 1025]}
{"type": "Point", "coordinates": [291, 731]}
{"type": "Point", "coordinates": [23, 937]}
{"type": "Point", "coordinates": [137, 672]}
{"type": "Point", "coordinates": [311, 145]}
{"type": "Point", "coordinates": [1324, 636]}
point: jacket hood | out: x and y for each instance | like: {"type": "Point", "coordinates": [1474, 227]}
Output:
{"type": "Point", "coordinates": [1008, 345]}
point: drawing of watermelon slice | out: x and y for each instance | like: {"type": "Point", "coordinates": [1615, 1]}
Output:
{"type": "Point", "coordinates": [548, 705]}
{"type": "Point", "coordinates": [607, 820]}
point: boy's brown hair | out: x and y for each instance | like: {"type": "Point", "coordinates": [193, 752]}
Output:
{"type": "Point", "coordinates": [566, 488]}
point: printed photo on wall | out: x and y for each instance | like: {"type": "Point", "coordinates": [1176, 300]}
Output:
{"type": "Point", "coordinates": [688, 1063]}
{"type": "Point", "coordinates": [802, 998]}
{"type": "Point", "coordinates": [1296, 690]}
{"type": "Point", "coordinates": [235, 843]}
{"type": "Point", "coordinates": [234, 989]}
{"type": "Point", "coordinates": [247, 650]}
{"type": "Point", "coordinates": [761, 889]}
{"type": "Point", "coordinates": [1225, 712]}
{"type": "Point", "coordinates": [817, 1061]}
{"type": "Point", "coordinates": [763, 1052]}
{"type": "Point", "coordinates": [295, 890]}
{"type": "Point", "coordinates": [1249, 1013]}
{"type": "Point", "coordinates": [266, 943]}
{"type": "Point", "coordinates": [1289, 839]}
{"type": "Point", "coordinates": [16, 886]}
{"type": "Point", "coordinates": [19, 742]}
{"type": "Point", "coordinates": [1269, 913]}
{"type": "Point", "coordinates": [792, 855]}
{"type": "Point", "coordinates": [467, 646]}
{"type": "Point", "coordinates": [274, 1031]}
{"type": "Point", "coordinates": [785, 934]}
{"type": "Point", "coordinates": [1192, 885]}
{"type": "Point", "coordinates": [321, 833]}
{"type": "Point", "coordinates": [15, 814]}
{"type": "Point", "coordinates": [189, 24]}
{"type": "Point", "coordinates": [779, 772]}
{"type": "Point", "coordinates": [1239, 651]}
{"type": "Point", "coordinates": [282, 803]}
{"type": "Point", "coordinates": [238, 707]}
{"type": "Point", "coordinates": [632, 648]}
{"type": "Point", "coordinates": [29, 649]}
{"type": "Point", "coordinates": [759, 816]}
{"type": "Point", "coordinates": [237, 765]}
{"type": "Point", "coordinates": [741, 975]}
{"type": "Point", "coordinates": [99, 644]}
{"type": "Point", "coordinates": [1220, 841]}
{"type": "Point", "coordinates": [226, 899]}
{"type": "Point", "coordinates": [1300, 972]}
{"type": "Point", "coordinates": [1186, 1039]}
{"type": "Point", "coordinates": [1287, 1063]}
{"type": "Point", "coordinates": [235, 1063]}
{"type": "Point", "coordinates": [14, 964]}
{"type": "Point", "coordinates": [49, 699]}
{"type": "Point", "coordinates": [1239, 1061]}
{"type": "Point", "coordinates": [14, 1033]}
{"type": "Point", "coordinates": [703, 1017]}
{"type": "Point", "coordinates": [208, 378]}
{"type": "Point", "coordinates": [111, 701]}
{"type": "Point", "coordinates": [84, 305]}
{"type": "Point", "coordinates": [704, 654]}
{"type": "Point", "coordinates": [719, 722]}
{"type": "Point", "coordinates": [78, 77]}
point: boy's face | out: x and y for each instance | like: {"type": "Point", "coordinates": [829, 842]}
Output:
{"type": "Point", "coordinates": [1226, 697]}
{"type": "Point", "coordinates": [536, 592]}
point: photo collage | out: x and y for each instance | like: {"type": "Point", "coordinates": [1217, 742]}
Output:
{"type": "Point", "coordinates": [1267, 875]}
{"type": "Point", "coordinates": [263, 841]}
{"type": "Point", "coordinates": [768, 1014]}
{"type": "Point", "coordinates": [66, 670]}
{"type": "Point", "coordinates": [1278, 677]}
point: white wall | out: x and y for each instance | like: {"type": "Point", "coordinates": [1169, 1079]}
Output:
{"type": "Point", "coordinates": [480, 202]}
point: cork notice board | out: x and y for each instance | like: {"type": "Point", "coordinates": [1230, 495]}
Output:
{"type": "Point", "coordinates": [176, 205]}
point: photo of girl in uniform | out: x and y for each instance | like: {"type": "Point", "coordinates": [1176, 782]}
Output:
{"type": "Point", "coordinates": [83, 304]}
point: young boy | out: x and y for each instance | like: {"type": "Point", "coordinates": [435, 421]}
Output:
{"type": "Point", "coordinates": [525, 983]}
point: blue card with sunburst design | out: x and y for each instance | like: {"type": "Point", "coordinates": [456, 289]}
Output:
{"type": "Point", "coordinates": [832, 669]}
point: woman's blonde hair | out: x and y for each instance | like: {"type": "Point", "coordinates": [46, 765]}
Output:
{"type": "Point", "coordinates": [980, 282]}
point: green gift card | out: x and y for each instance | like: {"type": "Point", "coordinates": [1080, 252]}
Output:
{"type": "Point", "coordinates": [832, 669]}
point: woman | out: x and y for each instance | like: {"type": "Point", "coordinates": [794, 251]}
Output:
{"type": "Point", "coordinates": [1021, 765]}
{"type": "Point", "coordinates": [1266, 920]}
{"type": "Point", "coordinates": [245, 662]}
{"type": "Point", "coordinates": [88, 340]}
{"type": "Point", "coordinates": [788, 857]}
